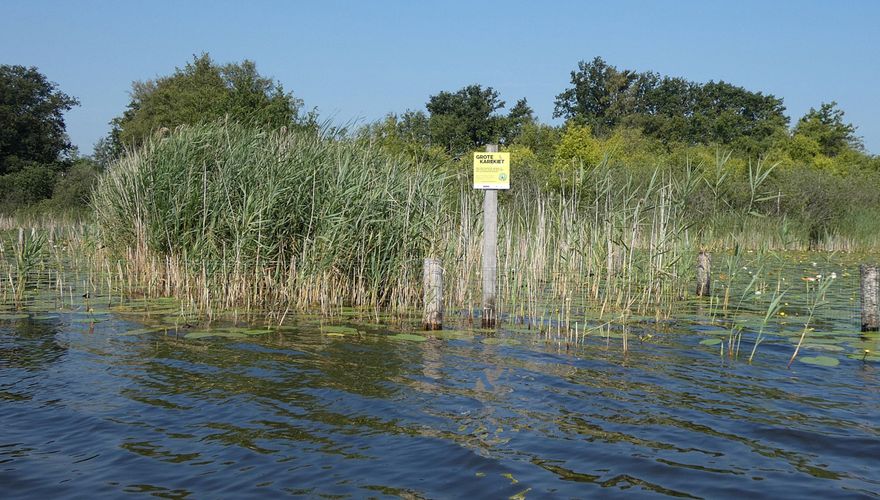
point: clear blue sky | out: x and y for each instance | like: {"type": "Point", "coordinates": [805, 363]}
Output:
{"type": "Point", "coordinates": [358, 60]}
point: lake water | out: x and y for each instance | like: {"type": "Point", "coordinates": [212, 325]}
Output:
{"type": "Point", "coordinates": [92, 404]}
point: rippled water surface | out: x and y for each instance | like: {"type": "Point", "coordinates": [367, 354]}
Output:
{"type": "Point", "coordinates": [91, 404]}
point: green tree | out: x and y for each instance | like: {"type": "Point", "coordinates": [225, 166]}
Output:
{"type": "Point", "coordinates": [34, 146]}
{"type": "Point", "coordinates": [205, 91]}
{"type": "Point", "coordinates": [520, 115]}
{"type": "Point", "coordinates": [32, 127]}
{"type": "Point", "coordinates": [826, 128]}
{"type": "Point", "coordinates": [74, 187]}
{"type": "Point", "coordinates": [597, 97]}
{"type": "Point", "coordinates": [670, 109]}
{"type": "Point", "coordinates": [731, 115]}
{"type": "Point", "coordinates": [468, 119]}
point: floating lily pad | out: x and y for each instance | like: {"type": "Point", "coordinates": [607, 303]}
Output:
{"type": "Point", "coordinates": [215, 333]}
{"type": "Point", "coordinates": [143, 331]}
{"type": "Point", "coordinates": [710, 342]}
{"type": "Point", "coordinates": [824, 347]}
{"type": "Point", "coordinates": [14, 316]}
{"type": "Point", "coordinates": [411, 337]}
{"type": "Point", "coordinates": [249, 331]}
{"type": "Point", "coordinates": [820, 360]}
{"type": "Point", "coordinates": [338, 330]}
{"type": "Point", "coordinates": [861, 356]}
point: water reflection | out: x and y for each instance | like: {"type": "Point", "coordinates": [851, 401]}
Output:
{"type": "Point", "coordinates": [88, 408]}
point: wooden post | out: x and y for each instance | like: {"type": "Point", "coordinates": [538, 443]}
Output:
{"type": "Point", "coordinates": [433, 294]}
{"type": "Point", "coordinates": [490, 247]}
{"type": "Point", "coordinates": [870, 287]}
{"type": "Point", "coordinates": [704, 274]}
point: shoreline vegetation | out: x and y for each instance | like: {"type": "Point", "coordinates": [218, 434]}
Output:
{"type": "Point", "coordinates": [215, 187]}
{"type": "Point", "coordinates": [226, 217]}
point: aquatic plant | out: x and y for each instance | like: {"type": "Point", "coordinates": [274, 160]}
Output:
{"type": "Point", "coordinates": [226, 215]}
{"type": "Point", "coordinates": [815, 299]}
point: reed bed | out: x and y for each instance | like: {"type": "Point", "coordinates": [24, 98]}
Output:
{"type": "Point", "coordinates": [229, 218]}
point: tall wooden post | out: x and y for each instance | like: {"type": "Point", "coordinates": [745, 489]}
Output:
{"type": "Point", "coordinates": [870, 287]}
{"type": "Point", "coordinates": [433, 294]}
{"type": "Point", "coordinates": [490, 248]}
{"type": "Point", "coordinates": [704, 274]}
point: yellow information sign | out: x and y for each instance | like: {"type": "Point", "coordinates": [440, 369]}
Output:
{"type": "Point", "coordinates": [491, 170]}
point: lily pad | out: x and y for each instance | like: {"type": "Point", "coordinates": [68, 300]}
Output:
{"type": "Point", "coordinates": [249, 331]}
{"type": "Point", "coordinates": [820, 360]}
{"type": "Point", "coordinates": [824, 347]}
{"type": "Point", "coordinates": [710, 342]}
{"type": "Point", "coordinates": [338, 330]}
{"type": "Point", "coordinates": [215, 333]}
{"type": "Point", "coordinates": [143, 331]}
{"type": "Point", "coordinates": [11, 317]}
{"type": "Point", "coordinates": [870, 357]}
{"type": "Point", "coordinates": [411, 337]}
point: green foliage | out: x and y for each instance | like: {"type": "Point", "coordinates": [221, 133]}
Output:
{"type": "Point", "coordinates": [33, 142]}
{"type": "Point", "coordinates": [204, 91]}
{"type": "Point", "coordinates": [577, 147]}
{"type": "Point", "coordinates": [670, 109]}
{"type": "Point", "coordinates": [31, 119]}
{"type": "Point", "coordinates": [29, 184]}
{"type": "Point", "coordinates": [467, 119]}
{"type": "Point", "coordinates": [334, 209]}
{"type": "Point", "coordinates": [823, 131]}
{"type": "Point", "coordinates": [600, 96]}
{"type": "Point", "coordinates": [74, 187]}
{"type": "Point", "coordinates": [408, 135]}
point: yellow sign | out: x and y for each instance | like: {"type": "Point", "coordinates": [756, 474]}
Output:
{"type": "Point", "coordinates": [491, 170]}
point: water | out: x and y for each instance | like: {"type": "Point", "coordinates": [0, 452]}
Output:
{"type": "Point", "coordinates": [93, 405]}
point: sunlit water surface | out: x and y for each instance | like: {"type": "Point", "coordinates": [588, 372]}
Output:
{"type": "Point", "coordinates": [92, 405]}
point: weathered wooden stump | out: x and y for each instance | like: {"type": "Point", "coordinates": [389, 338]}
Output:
{"type": "Point", "coordinates": [870, 288]}
{"type": "Point", "coordinates": [433, 294]}
{"type": "Point", "coordinates": [704, 274]}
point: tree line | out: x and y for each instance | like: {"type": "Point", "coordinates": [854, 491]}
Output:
{"type": "Point", "coordinates": [620, 116]}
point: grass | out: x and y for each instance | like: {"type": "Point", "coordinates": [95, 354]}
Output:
{"type": "Point", "coordinates": [227, 217]}
{"type": "Point", "coordinates": [230, 216]}
{"type": "Point", "coordinates": [232, 220]}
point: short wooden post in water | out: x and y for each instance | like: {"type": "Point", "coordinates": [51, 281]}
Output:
{"type": "Point", "coordinates": [490, 246]}
{"type": "Point", "coordinates": [704, 274]}
{"type": "Point", "coordinates": [433, 294]}
{"type": "Point", "coordinates": [870, 287]}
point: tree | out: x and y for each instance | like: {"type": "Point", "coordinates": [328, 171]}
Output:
{"type": "Point", "coordinates": [32, 130]}
{"type": "Point", "coordinates": [597, 97]}
{"type": "Point", "coordinates": [826, 127]}
{"type": "Point", "coordinates": [520, 115]}
{"type": "Point", "coordinates": [670, 109]}
{"type": "Point", "coordinates": [465, 119]}
{"type": "Point", "coordinates": [726, 114]}
{"type": "Point", "coordinates": [204, 91]}
{"type": "Point", "coordinates": [34, 147]}
{"type": "Point", "coordinates": [469, 119]}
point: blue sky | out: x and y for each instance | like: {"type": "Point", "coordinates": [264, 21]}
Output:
{"type": "Point", "coordinates": [358, 60]}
